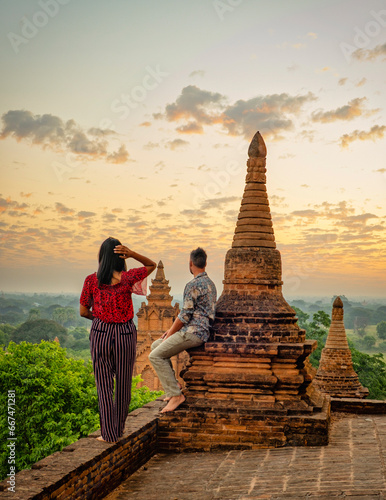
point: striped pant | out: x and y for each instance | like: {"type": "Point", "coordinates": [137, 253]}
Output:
{"type": "Point", "coordinates": [113, 348]}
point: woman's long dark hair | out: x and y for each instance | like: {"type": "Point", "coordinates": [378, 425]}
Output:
{"type": "Point", "coordinates": [109, 261]}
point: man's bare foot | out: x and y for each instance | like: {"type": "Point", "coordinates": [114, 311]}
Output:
{"type": "Point", "coordinates": [100, 438]}
{"type": "Point", "coordinates": [174, 403]}
{"type": "Point", "coordinates": [168, 399]}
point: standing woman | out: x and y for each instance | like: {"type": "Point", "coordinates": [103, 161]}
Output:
{"type": "Point", "coordinates": [106, 300]}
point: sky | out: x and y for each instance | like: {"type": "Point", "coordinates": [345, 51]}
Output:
{"type": "Point", "coordinates": [133, 120]}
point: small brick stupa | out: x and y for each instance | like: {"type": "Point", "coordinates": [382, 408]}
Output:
{"type": "Point", "coordinates": [154, 318]}
{"type": "Point", "coordinates": [249, 386]}
{"type": "Point", "coordinates": [336, 375]}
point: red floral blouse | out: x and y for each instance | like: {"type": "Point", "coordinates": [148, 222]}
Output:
{"type": "Point", "coordinates": [112, 303]}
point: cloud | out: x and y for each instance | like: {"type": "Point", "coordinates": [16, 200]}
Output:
{"type": "Point", "coordinates": [190, 128]}
{"type": "Point", "coordinates": [145, 124]}
{"type": "Point", "coordinates": [197, 72]}
{"type": "Point", "coordinates": [312, 35]}
{"type": "Point", "coordinates": [175, 144]}
{"type": "Point", "coordinates": [85, 215]}
{"type": "Point", "coordinates": [62, 209]}
{"type": "Point", "coordinates": [151, 145]}
{"type": "Point", "coordinates": [271, 114]}
{"type": "Point", "coordinates": [120, 156]}
{"type": "Point", "coordinates": [323, 70]}
{"type": "Point", "coordinates": [370, 54]}
{"type": "Point", "coordinates": [361, 82]}
{"type": "Point", "coordinates": [342, 81]}
{"type": "Point", "coordinates": [348, 112]}
{"type": "Point", "coordinates": [194, 103]}
{"type": "Point", "coordinates": [7, 203]}
{"type": "Point", "coordinates": [305, 213]}
{"type": "Point", "coordinates": [49, 131]}
{"type": "Point", "coordinates": [218, 202]}
{"type": "Point", "coordinates": [376, 132]}
{"type": "Point", "coordinates": [293, 67]}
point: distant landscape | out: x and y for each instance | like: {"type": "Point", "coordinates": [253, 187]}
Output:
{"type": "Point", "coordinates": [39, 316]}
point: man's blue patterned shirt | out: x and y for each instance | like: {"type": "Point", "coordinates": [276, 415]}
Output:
{"type": "Point", "coordinates": [198, 308]}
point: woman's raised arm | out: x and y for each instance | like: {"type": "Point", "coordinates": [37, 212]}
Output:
{"type": "Point", "coordinates": [126, 253]}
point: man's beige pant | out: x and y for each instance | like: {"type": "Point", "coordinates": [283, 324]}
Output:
{"type": "Point", "coordinates": [163, 350]}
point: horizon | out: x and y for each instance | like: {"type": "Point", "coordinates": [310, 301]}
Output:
{"type": "Point", "coordinates": [134, 121]}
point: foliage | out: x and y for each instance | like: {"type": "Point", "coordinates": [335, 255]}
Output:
{"type": "Point", "coordinates": [317, 330]}
{"type": "Point", "coordinates": [56, 400]}
{"type": "Point", "coordinates": [369, 341]}
{"type": "Point", "coordinates": [6, 331]}
{"type": "Point", "coordinates": [80, 332]}
{"type": "Point", "coordinates": [302, 316]}
{"type": "Point", "coordinates": [65, 316]}
{"type": "Point", "coordinates": [34, 313]}
{"type": "Point", "coordinates": [40, 329]}
{"type": "Point", "coordinates": [371, 370]}
{"type": "Point", "coordinates": [381, 330]}
{"type": "Point", "coordinates": [141, 395]}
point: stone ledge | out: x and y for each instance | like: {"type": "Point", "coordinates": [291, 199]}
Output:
{"type": "Point", "coordinates": [359, 406]}
{"type": "Point", "coordinates": [89, 468]}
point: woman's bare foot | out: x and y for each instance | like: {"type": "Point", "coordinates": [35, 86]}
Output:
{"type": "Point", "coordinates": [168, 399]}
{"type": "Point", "coordinates": [100, 438]}
{"type": "Point", "coordinates": [174, 403]}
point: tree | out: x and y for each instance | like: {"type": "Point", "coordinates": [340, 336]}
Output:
{"type": "Point", "coordinates": [56, 400]}
{"type": "Point", "coordinates": [369, 341]}
{"type": "Point", "coordinates": [33, 314]}
{"type": "Point", "coordinates": [40, 329]}
{"type": "Point", "coordinates": [321, 320]}
{"type": "Point", "coordinates": [357, 317]}
{"type": "Point", "coordinates": [381, 330]}
{"type": "Point", "coordinates": [318, 330]}
{"type": "Point", "coordinates": [371, 370]}
{"type": "Point", "coordinates": [80, 332]}
{"type": "Point", "coordinates": [65, 316]}
{"type": "Point", "coordinates": [5, 334]}
{"type": "Point", "coordinates": [302, 317]}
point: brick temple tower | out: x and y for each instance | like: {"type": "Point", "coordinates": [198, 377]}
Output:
{"type": "Point", "coordinates": [249, 386]}
{"type": "Point", "coordinates": [336, 375]}
{"type": "Point", "coordinates": [154, 318]}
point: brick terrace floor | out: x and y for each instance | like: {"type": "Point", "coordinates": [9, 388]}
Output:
{"type": "Point", "coordinates": [351, 466]}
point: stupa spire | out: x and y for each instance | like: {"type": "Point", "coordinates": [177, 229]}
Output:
{"type": "Point", "coordinates": [337, 338]}
{"type": "Point", "coordinates": [160, 274]}
{"type": "Point", "coordinates": [254, 226]}
{"type": "Point", "coordinates": [159, 289]}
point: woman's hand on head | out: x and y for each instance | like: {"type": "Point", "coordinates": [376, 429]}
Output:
{"type": "Point", "coordinates": [124, 251]}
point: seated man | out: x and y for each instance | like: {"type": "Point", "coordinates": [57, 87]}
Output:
{"type": "Point", "coordinates": [190, 328]}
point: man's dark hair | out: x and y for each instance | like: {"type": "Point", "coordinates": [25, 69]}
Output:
{"type": "Point", "coordinates": [198, 257]}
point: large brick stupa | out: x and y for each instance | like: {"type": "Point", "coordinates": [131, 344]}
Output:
{"type": "Point", "coordinates": [249, 386]}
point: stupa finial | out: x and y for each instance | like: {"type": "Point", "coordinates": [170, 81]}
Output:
{"type": "Point", "coordinates": [257, 148]}
{"type": "Point", "coordinates": [254, 226]}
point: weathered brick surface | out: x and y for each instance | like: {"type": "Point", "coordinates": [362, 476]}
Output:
{"type": "Point", "coordinates": [211, 425]}
{"type": "Point", "coordinates": [88, 469]}
{"type": "Point", "coordinates": [359, 406]}
{"type": "Point", "coordinates": [351, 466]}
